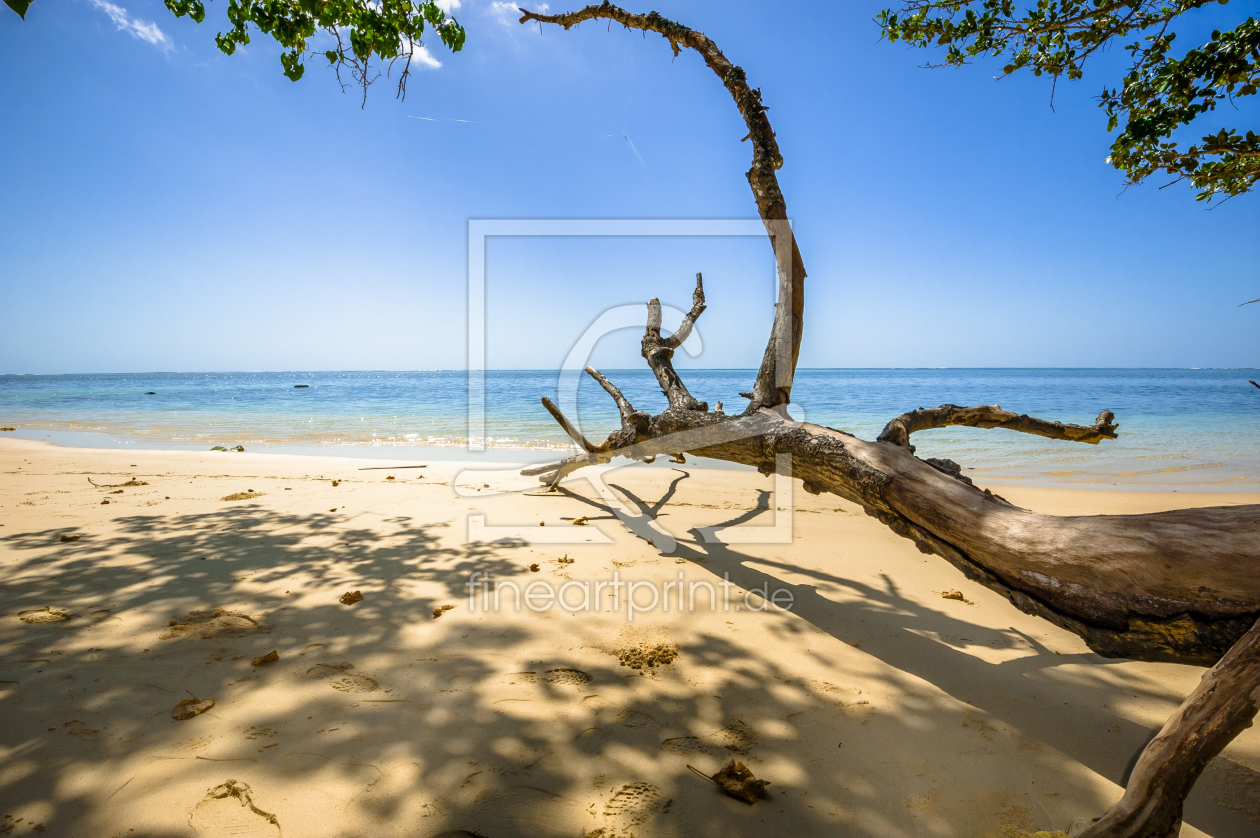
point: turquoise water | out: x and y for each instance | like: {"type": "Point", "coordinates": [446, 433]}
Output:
{"type": "Point", "coordinates": [1192, 428]}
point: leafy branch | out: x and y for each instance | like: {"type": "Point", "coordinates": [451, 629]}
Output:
{"type": "Point", "coordinates": [1160, 94]}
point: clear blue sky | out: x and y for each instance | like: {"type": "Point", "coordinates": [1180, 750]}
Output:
{"type": "Point", "coordinates": [166, 207]}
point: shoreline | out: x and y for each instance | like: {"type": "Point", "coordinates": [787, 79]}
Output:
{"type": "Point", "coordinates": [504, 456]}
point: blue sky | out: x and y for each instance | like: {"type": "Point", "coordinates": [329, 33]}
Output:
{"type": "Point", "coordinates": [166, 207]}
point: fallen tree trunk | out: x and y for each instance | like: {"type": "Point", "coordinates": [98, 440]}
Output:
{"type": "Point", "coordinates": [1181, 586]}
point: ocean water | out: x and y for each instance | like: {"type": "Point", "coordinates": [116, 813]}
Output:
{"type": "Point", "coordinates": [1178, 428]}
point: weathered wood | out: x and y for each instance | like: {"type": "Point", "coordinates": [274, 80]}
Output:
{"type": "Point", "coordinates": [659, 351]}
{"type": "Point", "coordinates": [991, 416]}
{"type": "Point", "coordinates": [1222, 706]}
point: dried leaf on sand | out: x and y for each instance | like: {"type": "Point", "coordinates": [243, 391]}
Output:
{"type": "Point", "coordinates": [350, 597]}
{"type": "Point", "coordinates": [270, 657]}
{"type": "Point", "coordinates": [738, 781]}
{"type": "Point", "coordinates": [190, 707]}
{"type": "Point", "coordinates": [440, 610]}
{"type": "Point", "coordinates": [66, 538]}
{"type": "Point", "coordinates": [580, 522]}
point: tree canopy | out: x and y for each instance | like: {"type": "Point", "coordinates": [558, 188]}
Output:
{"type": "Point", "coordinates": [364, 31]}
{"type": "Point", "coordinates": [1161, 93]}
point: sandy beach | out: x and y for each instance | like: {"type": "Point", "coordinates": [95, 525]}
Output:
{"type": "Point", "coordinates": [873, 705]}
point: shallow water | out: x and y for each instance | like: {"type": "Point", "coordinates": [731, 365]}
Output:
{"type": "Point", "coordinates": [1178, 428]}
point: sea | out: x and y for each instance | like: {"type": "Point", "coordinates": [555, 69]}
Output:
{"type": "Point", "coordinates": [1183, 429]}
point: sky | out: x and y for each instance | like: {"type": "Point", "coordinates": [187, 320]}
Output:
{"type": "Point", "coordinates": [169, 208]}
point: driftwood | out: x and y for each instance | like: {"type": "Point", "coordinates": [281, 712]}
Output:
{"type": "Point", "coordinates": [1181, 586]}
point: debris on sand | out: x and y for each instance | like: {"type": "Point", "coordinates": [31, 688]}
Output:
{"type": "Point", "coordinates": [47, 614]}
{"type": "Point", "coordinates": [440, 610]}
{"type": "Point", "coordinates": [66, 538]}
{"type": "Point", "coordinates": [534, 567]}
{"type": "Point", "coordinates": [242, 495]}
{"type": "Point", "coordinates": [218, 448]}
{"type": "Point", "coordinates": [239, 448]}
{"type": "Point", "coordinates": [270, 657]}
{"type": "Point", "coordinates": [955, 595]}
{"type": "Point", "coordinates": [105, 502]}
{"type": "Point", "coordinates": [190, 707]}
{"type": "Point", "coordinates": [215, 815]}
{"type": "Point", "coordinates": [738, 781]}
{"type": "Point", "coordinates": [564, 559]}
{"type": "Point", "coordinates": [336, 483]}
{"type": "Point", "coordinates": [389, 477]}
{"type": "Point", "coordinates": [580, 522]}
{"type": "Point", "coordinates": [647, 655]}
{"type": "Point", "coordinates": [132, 482]}
{"type": "Point", "coordinates": [117, 492]}
{"type": "Point", "coordinates": [350, 597]}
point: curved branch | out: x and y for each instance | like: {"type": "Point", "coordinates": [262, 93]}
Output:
{"type": "Point", "coordinates": [624, 407]}
{"type": "Point", "coordinates": [991, 416]}
{"type": "Point", "coordinates": [778, 366]}
{"type": "Point", "coordinates": [1220, 708]}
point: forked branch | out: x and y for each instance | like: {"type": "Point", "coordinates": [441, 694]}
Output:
{"type": "Point", "coordinates": [659, 351]}
{"type": "Point", "coordinates": [778, 366]}
{"type": "Point", "coordinates": [991, 416]}
{"type": "Point", "coordinates": [679, 337]}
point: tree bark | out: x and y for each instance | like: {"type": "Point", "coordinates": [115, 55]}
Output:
{"type": "Point", "coordinates": [1223, 706]}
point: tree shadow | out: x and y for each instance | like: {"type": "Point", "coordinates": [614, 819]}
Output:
{"type": "Point", "coordinates": [381, 719]}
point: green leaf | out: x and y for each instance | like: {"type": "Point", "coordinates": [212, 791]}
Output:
{"type": "Point", "coordinates": [19, 6]}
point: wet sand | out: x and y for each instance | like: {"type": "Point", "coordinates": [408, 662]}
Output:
{"type": "Point", "coordinates": [874, 706]}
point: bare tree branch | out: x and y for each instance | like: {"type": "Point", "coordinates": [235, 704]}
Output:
{"type": "Point", "coordinates": [623, 404]}
{"type": "Point", "coordinates": [1220, 708]}
{"type": "Point", "coordinates": [778, 366]}
{"type": "Point", "coordinates": [679, 337]}
{"type": "Point", "coordinates": [991, 416]}
{"type": "Point", "coordinates": [573, 432]}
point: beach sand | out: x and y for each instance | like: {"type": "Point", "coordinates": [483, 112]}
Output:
{"type": "Point", "coordinates": [874, 706]}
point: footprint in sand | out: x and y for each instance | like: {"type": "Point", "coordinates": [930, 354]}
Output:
{"type": "Point", "coordinates": [571, 677]}
{"type": "Point", "coordinates": [690, 746]}
{"type": "Point", "coordinates": [341, 678]}
{"type": "Point", "coordinates": [229, 809]}
{"type": "Point", "coordinates": [216, 622]}
{"type": "Point", "coordinates": [630, 807]}
{"type": "Point", "coordinates": [735, 738]}
{"type": "Point", "coordinates": [47, 614]}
